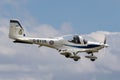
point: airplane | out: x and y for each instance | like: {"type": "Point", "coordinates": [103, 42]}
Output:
{"type": "Point", "coordinates": [64, 45]}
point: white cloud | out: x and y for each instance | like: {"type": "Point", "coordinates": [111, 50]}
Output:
{"type": "Point", "coordinates": [45, 63]}
{"type": "Point", "coordinates": [27, 78]}
{"type": "Point", "coordinates": [45, 31]}
{"type": "Point", "coordinates": [66, 28]}
{"type": "Point", "coordinates": [51, 62]}
{"type": "Point", "coordinates": [4, 29]}
{"type": "Point", "coordinates": [109, 57]}
{"type": "Point", "coordinates": [20, 78]}
{"type": "Point", "coordinates": [107, 33]}
{"type": "Point", "coordinates": [12, 68]}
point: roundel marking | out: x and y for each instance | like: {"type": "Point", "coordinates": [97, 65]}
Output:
{"type": "Point", "coordinates": [51, 42]}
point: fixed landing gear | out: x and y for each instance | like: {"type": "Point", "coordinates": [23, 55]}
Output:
{"type": "Point", "coordinates": [74, 56]}
{"type": "Point", "coordinates": [76, 59]}
{"type": "Point", "coordinates": [91, 57]}
{"type": "Point", "coordinates": [67, 55]}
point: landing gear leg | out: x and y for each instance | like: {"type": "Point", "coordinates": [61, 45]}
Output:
{"type": "Point", "coordinates": [91, 57]}
{"type": "Point", "coordinates": [75, 57]}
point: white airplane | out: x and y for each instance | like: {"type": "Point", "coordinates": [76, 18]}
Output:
{"type": "Point", "coordinates": [65, 46]}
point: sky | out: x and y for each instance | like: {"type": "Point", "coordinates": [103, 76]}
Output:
{"type": "Point", "coordinates": [50, 18]}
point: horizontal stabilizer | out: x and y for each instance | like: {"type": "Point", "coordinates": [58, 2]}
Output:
{"type": "Point", "coordinates": [18, 41]}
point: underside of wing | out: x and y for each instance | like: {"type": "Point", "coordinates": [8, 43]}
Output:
{"type": "Point", "coordinates": [69, 53]}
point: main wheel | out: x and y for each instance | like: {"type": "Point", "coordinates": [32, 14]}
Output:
{"type": "Point", "coordinates": [92, 59]}
{"type": "Point", "coordinates": [67, 55]}
{"type": "Point", "coordinates": [76, 59]}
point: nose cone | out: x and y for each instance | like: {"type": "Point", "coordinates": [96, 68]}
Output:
{"type": "Point", "coordinates": [106, 45]}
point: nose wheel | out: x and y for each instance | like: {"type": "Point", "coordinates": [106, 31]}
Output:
{"type": "Point", "coordinates": [92, 59]}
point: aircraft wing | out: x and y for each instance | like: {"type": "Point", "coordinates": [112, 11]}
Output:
{"type": "Point", "coordinates": [70, 53]}
{"type": "Point", "coordinates": [70, 50]}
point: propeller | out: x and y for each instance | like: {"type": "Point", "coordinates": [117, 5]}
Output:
{"type": "Point", "coordinates": [105, 41]}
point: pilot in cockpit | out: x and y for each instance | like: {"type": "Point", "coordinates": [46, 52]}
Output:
{"type": "Point", "coordinates": [78, 40]}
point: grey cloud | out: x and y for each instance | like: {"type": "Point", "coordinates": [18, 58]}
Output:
{"type": "Point", "coordinates": [28, 62]}
{"type": "Point", "coordinates": [44, 63]}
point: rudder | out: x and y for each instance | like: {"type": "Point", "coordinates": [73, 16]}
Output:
{"type": "Point", "coordinates": [15, 30]}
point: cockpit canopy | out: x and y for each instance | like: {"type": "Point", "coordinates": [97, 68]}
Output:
{"type": "Point", "coordinates": [76, 39]}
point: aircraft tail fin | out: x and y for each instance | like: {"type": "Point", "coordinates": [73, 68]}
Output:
{"type": "Point", "coordinates": [15, 31]}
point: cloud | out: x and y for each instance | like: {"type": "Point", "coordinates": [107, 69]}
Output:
{"type": "Point", "coordinates": [24, 78]}
{"type": "Point", "coordinates": [48, 63]}
{"type": "Point", "coordinates": [28, 62]}
{"type": "Point", "coordinates": [110, 57]}
{"type": "Point", "coordinates": [20, 59]}
{"type": "Point", "coordinates": [4, 37]}
{"type": "Point", "coordinates": [12, 68]}
{"type": "Point", "coordinates": [66, 28]}
{"type": "Point", "coordinates": [46, 31]}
